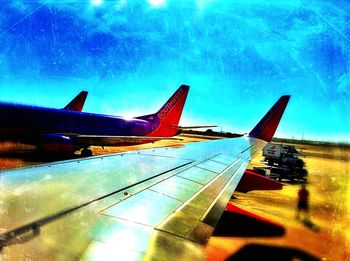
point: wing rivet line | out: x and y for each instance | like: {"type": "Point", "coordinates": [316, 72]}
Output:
{"type": "Point", "coordinates": [27, 234]}
{"type": "Point", "coordinates": [10, 237]}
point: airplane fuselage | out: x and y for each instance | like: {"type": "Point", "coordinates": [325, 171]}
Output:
{"type": "Point", "coordinates": [29, 123]}
{"type": "Point", "coordinates": [68, 130]}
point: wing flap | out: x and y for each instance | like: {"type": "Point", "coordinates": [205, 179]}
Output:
{"type": "Point", "coordinates": [189, 216]}
{"type": "Point", "coordinates": [166, 207]}
{"type": "Point", "coordinates": [212, 216]}
{"type": "Point", "coordinates": [173, 208]}
{"type": "Point", "coordinates": [135, 243]}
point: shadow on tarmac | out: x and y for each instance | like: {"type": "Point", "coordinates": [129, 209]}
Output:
{"type": "Point", "coordinates": [309, 224]}
{"type": "Point", "coordinates": [269, 252]}
{"type": "Point", "coordinates": [240, 225]}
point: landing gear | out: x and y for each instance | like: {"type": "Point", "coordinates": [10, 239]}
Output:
{"type": "Point", "coordinates": [270, 162]}
{"type": "Point", "coordinates": [86, 152]}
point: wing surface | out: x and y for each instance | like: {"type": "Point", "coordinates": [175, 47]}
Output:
{"type": "Point", "coordinates": [102, 140]}
{"type": "Point", "coordinates": [152, 203]}
{"type": "Point", "coordinates": [195, 127]}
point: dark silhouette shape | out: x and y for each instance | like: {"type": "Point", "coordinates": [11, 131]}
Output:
{"type": "Point", "coordinates": [268, 252]}
{"type": "Point", "coordinates": [245, 224]}
{"type": "Point", "coordinates": [303, 202]}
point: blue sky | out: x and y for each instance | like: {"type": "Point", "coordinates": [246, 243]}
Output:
{"type": "Point", "coordinates": [237, 56]}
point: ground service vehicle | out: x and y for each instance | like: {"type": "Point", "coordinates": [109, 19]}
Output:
{"type": "Point", "coordinates": [282, 155]}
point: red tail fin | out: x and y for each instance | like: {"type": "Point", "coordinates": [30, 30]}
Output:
{"type": "Point", "coordinates": [267, 126]}
{"type": "Point", "coordinates": [77, 103]}
{"type": "Point", "coordinates": [168, 117]}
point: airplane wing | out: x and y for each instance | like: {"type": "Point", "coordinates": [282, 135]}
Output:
{"type": "Point", "coordinates": [102, 140]}
{"type": "Point", "coordinates": [195, 127]}
{"type": "Point", "coordinates": [147, 204]}
{"type": "Point", "coordinates": [123, 205]}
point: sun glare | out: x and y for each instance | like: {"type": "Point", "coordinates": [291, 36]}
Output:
{"type": "Point", "coordinates": [96, 2]}
{"type": "Point", "coordinates": [156, 3]}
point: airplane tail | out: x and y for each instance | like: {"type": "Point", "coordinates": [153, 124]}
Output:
{"type": "Point", "coordinates": [77, 103]}
{"type": "Point", "coordinates": [267, 126]}
{"type": "Point", "coordinates": [168, 117]}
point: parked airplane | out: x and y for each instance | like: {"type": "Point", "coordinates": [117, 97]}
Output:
{"type": "Point", "coordinates": [159, 204]}
{"type": "Point", "coordinates": [77, 103]}
{"type": "Point", "coordinates": [68, 130]}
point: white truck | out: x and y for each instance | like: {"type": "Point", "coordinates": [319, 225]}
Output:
{"type": "Point", "coordinates": [282, 155]}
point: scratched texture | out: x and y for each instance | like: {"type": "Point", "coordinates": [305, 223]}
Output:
{"type": "Point", "coordinates": [131, 54]}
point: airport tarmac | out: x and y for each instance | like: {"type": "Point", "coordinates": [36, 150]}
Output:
{"type": "Point", "coordinates": [327, 236]}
